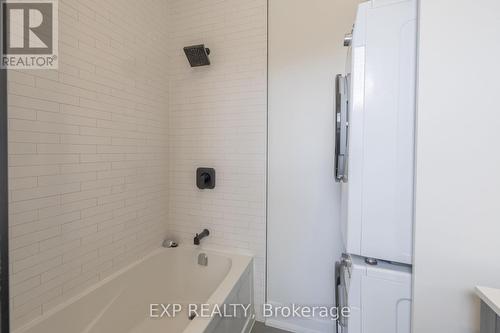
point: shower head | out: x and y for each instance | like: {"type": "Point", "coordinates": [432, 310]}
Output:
{"type": "Point", "coordinates": [197, 55]}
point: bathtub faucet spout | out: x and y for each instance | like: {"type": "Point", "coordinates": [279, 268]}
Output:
{"type": "Point", "coordinates": [200, 236]}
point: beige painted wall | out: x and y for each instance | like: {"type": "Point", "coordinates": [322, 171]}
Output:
{"type": "Point", "coordinates": [305, 54]}
{"type": "Point", "coordinates": [458, 162]}
{"type": "Point", "coordinates": [88, 163]}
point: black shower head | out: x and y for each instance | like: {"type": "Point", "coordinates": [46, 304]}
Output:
{"type": "Point", "coordinates": [197, 55]}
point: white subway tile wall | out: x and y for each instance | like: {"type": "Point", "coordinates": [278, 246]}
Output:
{"type": "Point", "coordinates": [88, 152]}
{"type": "Point", "coordinates": [103, 152]}
{"type": "Point", "coordinates": [219, 119]}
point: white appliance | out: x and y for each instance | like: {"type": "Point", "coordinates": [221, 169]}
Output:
{"type": "Point", "coordinates": [376, 153]}
{"type": "Point", "coordinates": [375, 119]}
{"type": "Point", "coordinates": [379, 296]}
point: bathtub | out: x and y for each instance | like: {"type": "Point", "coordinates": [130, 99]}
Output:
{"type": "Point", "coordinates": [133, 300]}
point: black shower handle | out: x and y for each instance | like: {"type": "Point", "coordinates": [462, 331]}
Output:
{"type": "Point", "coordinates": [206, 177]}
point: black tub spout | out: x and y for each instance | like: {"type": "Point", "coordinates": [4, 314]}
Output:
{"type": "Point", "coordinates": [200, 236]}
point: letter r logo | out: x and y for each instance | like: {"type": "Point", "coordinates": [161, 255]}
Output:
{"type": "Point", "coordinates": [29, 28]}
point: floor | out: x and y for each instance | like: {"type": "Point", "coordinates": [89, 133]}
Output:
{"type": "Point", "coordinates": [261, 328]}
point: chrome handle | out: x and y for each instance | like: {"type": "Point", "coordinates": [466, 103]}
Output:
{"type": "Point", "coordinates": [341, 126]}
{"type": "Point", "coordinates": [348, 39]}
{"type": "Point", "coordinates": [343, 275]}
{"type": "Point", "coordinates": [337, 293]}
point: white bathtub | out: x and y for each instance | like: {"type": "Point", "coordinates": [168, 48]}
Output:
{"type": "Point", "coordinates": [122, 302]}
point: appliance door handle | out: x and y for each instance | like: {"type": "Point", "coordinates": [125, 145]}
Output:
{"type": "Point", "coordinates": [337, 293]}
{"type": "Point", "coordinates": [341, 128]}
{"type": "Point", "coordinates": [341, 296]}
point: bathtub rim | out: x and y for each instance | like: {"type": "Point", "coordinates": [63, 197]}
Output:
{"type": "Point", "coordinates": [240, 262]}
{"type": "Point", "coordinates": [222, 292]}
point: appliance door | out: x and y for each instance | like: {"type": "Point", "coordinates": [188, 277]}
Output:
{"type": "Point", "coordinates": [341, 126]}
{"type": "Point", "coordinates": [386, 300]}
{"type": "Point", "coordinates": [378, 296]}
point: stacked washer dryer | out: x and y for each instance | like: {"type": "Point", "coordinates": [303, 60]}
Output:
{"type": "Point", "coordinates": [375, 120]}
